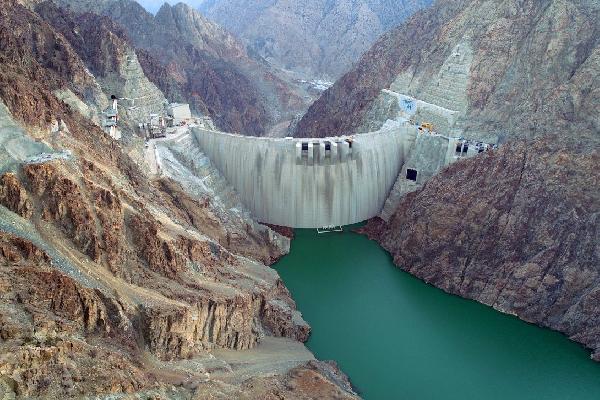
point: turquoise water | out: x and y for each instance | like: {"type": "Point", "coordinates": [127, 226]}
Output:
{"type": "Point", "coordinates": [398, 338]}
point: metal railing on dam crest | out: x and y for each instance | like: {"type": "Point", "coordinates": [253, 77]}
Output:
{"type": "Point", "coordinates": [310, 183]}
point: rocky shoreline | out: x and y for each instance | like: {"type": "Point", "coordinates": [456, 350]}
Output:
{"type": "Point", "coordinates": [516, 229]}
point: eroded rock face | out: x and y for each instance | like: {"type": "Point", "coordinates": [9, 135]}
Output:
{"type": "Point", "coordinates": [62, 340]}
{"type": "Point", "coordinates": [69, 369]}
{"type": "Point", "coordinates": [14, 249]}
{"type": "Point", "coordinates": [174, 295]}
{"type": "Point", "coordinates": [94, 219]}
{"type": "Point", "coordinates": [44, 315]}
{"type": "Point", "coordinates": [30, 51]}
{"type": "Point", "coordinates": [63, 202]}
{"type": "Point", "coordinates": [516, 229]}
{"type": "Point", "coordinates": [243, 237]}
{"type": "Point", "coordinates": [105, 274]}
{"type": "Point", "coordinates": [13, 196]}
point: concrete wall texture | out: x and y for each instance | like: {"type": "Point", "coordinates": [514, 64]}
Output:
{"type": "Point", "coordinates": [310, 183]}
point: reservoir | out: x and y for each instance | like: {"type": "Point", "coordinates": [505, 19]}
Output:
{"type": "Point", "coordinates": [399, 338]}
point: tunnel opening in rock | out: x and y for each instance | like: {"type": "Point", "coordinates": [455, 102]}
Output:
{"type": "Point", "coordinates": [411, 174]}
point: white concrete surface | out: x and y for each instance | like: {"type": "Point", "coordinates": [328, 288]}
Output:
{"type": "Point", "coordinates": [15, 145]}
{"type": "Point", "coordinates": [151, 155]}
{"type": "Point", "coordinates": [310, 183]}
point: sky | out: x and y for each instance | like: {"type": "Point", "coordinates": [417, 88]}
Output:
{"type": "Point", "coordinates": [154, 5]}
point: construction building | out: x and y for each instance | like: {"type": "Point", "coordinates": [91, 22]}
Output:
{"type": "Point", "coordinates": [110, 122]}
{"type": "Point", "coordinates": [179, 112]}
{"type": "Point", "coordinates": [155, 127]}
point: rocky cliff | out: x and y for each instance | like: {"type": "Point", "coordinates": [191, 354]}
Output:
{"type": "Point", "coordinates": [314, 38]}
{"type": "Point", "coordinates": [108, 54]}
{"type": "Point", "coordinates": [516, 229]}
{"type": "Point", "coordinates": [29, 50]}
{"type": "Point", "coordinates": [510, 69]}
{"type": "Point", "coordinates": [115, 284]}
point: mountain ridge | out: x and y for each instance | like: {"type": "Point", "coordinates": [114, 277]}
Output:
{"type": "Point", "coordinates": [317, 38]}
{"type": "Point", "coordinates": [522, 76]}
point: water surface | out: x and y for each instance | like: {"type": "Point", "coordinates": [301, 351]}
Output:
{"type": "Point", "coordinates": [399, 338]}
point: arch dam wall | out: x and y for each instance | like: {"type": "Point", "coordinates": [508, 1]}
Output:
{"type": "Point", "coordinates": [310, 183]}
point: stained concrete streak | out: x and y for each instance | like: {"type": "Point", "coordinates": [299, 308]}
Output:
{"type": "Point", "coordinates": [310, 183]}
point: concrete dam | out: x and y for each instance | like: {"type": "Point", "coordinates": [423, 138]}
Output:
{"type": "Point", "coordinates": [311, 183]}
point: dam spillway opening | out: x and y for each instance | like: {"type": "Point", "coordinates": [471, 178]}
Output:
{"type": "Point", "coordinates": [324, 151]}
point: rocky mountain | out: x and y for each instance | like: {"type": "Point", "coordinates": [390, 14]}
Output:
{"type": "Point", "coordinates": [108, 54]}
{"type": "Point", "coordinates": [482, 69]}
{"type": "Point", "coordinates": [194, 60]}
{"type": "Point", "coordinates": [315, 38]}
{"type": "Point", "coordinates": [112, 281]}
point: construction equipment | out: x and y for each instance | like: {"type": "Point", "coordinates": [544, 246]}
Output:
{"type": "Point", "coordinates": [427, 125]}
{"type": "Point", "coordinates": [331, 228]}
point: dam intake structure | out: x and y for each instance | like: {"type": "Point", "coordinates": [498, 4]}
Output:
{"type": "Point", "coordinates": [312, 183]}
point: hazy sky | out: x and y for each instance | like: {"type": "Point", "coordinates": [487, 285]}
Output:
{"type": "Point", "coordinates": [154, 5]}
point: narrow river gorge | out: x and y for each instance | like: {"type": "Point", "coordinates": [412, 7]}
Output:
{"type": "Point", "coordinates": [399, 338]}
